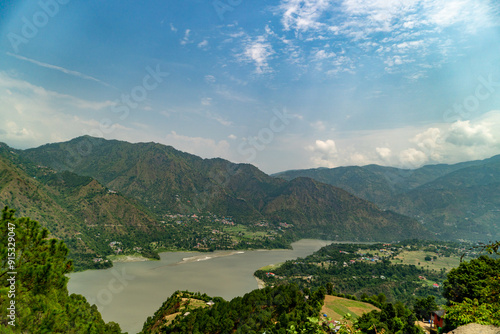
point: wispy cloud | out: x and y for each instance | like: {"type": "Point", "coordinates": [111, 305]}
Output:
{"type": "Point", "coordinates": [60, 69]}
{"type": "Point", "coordinates": [185, 40]}
{"type": "Point", "coordinates": [203, 44]}
{"type": "Point", "coordinates": [204, 147]}
{"type": "Point", "coordinates": [258, 51]}
{"type": "Point", "coordinates": [303, 15]}
{"type": "Point", "coordinates": [33, 115]}
{"type": "Point", "coordinates": [16, 88]}
{"type": "Point", "coordinates": [394, 32]}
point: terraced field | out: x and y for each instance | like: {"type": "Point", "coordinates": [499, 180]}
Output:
{"type": "Point", "coordinates": [337, 307]}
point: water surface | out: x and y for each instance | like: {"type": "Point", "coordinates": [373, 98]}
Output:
{"type": "Point", "coordinates": [130, 292]}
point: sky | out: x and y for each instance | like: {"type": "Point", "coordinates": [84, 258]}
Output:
{"type": "Point", "coordinates": [281, 84]}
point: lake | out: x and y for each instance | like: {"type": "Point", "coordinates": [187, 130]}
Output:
{"type": "Point", "coordinates": [130, 292]}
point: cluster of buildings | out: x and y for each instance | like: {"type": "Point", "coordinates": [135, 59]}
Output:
{"type": "Point", "coordinates": [115, 246]}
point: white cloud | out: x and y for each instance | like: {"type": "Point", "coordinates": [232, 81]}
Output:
{"type": "Point", "coordinates": [384, 152]}
{"type": "Point", "coordinates": [218, 119]}
{"type": "Point", "coordinates": [412, 158]}
{"type": "Point", "coordinates": [203, 44]}
{"type": "Point", "coordinates": [463, 133]}
{"type": "Point", "coordinates": [186, 40]}
{"type": "Point", "coordinates": [210, 79]}
{"type": "Point", "coordinates": [206, 101]}
{"type": "Point", "coordinates": [303, 15]}
{"type": "Point", "coordinates": [324, 153]}
{"type": "Point", "coordinates": [32, 115]}
{"type": "Point", "coordinates": [203, 147]}
{"type": "Point", "coordinates": [319, 126]}
{"type": "Point", "coordinates": [472, 14]}
{"type": "Point", "coordinates": [406, 31]}
{"type": "Point", "coordinates": [258, 51]}
{"type": "Point", "coordinates": [322, 55]}
{"type": "Point", "coordinates": [412, 147]}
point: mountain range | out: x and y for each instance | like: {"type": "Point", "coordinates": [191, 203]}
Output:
{"type": "Point", "coordinates": [125, 189]}
{"type": "Point", "coordinates": [458, 201]}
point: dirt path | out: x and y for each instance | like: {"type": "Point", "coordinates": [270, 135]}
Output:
{"type": "Point", "coordinates": [425, 326]}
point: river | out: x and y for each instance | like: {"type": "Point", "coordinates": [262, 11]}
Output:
{"type": "Point", "coordinates": [130, 292]}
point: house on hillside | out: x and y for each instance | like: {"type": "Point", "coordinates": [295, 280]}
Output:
{"type": "Point", "coordinates": [437, 318]}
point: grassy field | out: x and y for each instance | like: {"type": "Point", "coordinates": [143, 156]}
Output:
{"type": "Point", "coordinates": [416, 257]}
{"type": "Point", "coordinates": [271, 267]}
{"type": "Point", "coordinates": [188, 304]}
{"type": "Point", "coordinates": [336, 307]}
{"type": "Point", "coordinates": [136, 257]}
{"type": "Point", "coordinates": [237, 229]}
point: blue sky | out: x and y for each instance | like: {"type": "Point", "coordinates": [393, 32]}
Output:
{"type": "Point", "coordinates": [283, 84]}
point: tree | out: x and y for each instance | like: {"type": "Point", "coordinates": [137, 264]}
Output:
{"type": "Point", "coordinates": [491, 248]}
{"type": "Point", "coordinates": [473, 293]}
{"type": "Point", "coordinates": [424, 306]}
{"type": "Point", "coordinates": [37, 264]}
{"type": "Point", "coordinates": [471, 311]}
{"type": "Point", "coordinates": [474, 279]}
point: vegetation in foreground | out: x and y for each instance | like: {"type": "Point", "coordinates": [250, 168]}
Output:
{"type": "Point", "coordinates": [34, 291]}
{"type": "Point", "coordinates": [38, 298]}
{"type": "Point", "coordinates": [367, 269]}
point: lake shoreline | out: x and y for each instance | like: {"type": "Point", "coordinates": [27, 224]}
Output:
{"type": "Point", "coordinates": [135, 288]}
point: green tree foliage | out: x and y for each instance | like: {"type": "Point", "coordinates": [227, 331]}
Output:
{"type": "Point", "coordinates": [424, 306]}
{"type": "Point", "coordinates": [392, 318]}
{"type": "Point", "coordinates": [275, 310]}
{"type": "Point", "coordinates": [398, 282]}
{"type": "Point", "coordinates": [473, 293]}
{"type": "Point", "coordinates": [475, 279]}
{"type": "Point", "coordinates": [38, 266]}
{"type": "Point", "coordinates": [471, 311]}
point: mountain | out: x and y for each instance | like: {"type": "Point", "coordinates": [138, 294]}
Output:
{"type": "Point", "coordinates": [77, 209]}
{"type": "Point", "coordinates": [459, 201]}
{"type": "Point", "coordinates": [168, 181]}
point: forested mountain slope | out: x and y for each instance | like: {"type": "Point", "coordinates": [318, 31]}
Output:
{"type": "Point", "coordinates": [460, 201]}
{"type": "Point", "coordinates": [169, 181]}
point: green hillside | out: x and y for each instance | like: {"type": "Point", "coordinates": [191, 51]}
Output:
{"type": "Point", "coordinates": [452, 201]}
{"type": "Point", "coordinates": [79, 210]}
{"type": "Point", "coordinates": [167, 181]}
